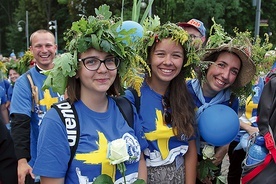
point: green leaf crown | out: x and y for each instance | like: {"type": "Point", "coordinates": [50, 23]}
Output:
{"type": "Point", "coordinates": [100, 33]}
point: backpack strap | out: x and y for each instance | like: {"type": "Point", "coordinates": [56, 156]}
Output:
{"type": "Point", "coordinates": [266, 124]}
{"type": "Point", "coordinates": [136, 98]}
{"type": "Point", "coordinates": [256, 170]}
{"type": "Point", "coordinates": [69, 117]}
{"type": "Point", "coordinates": [35, 106]}
{"type": "Point", "coordinates": [125, 108]}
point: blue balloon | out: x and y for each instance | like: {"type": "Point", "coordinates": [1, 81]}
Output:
{"type": "Point", "coordinates": [218, 125]}
{"type": "Point", "coordinates": [127, 25]}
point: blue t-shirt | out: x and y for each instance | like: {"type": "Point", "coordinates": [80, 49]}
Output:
{"type": "Point", "coordinates": [164, 146]}
{"type": "Point", "coordinates": [22, 103]}
{"type": "Point", "coordinates": [3, 98]}
{"type": "Point", "coordinates": [9, 94]}
{"type": "Point", "coordinates": [5, 84]}
{"type": "Point", "coordinates": [90, 160]}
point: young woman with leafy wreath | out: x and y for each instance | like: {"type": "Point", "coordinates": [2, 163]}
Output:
{"type": "Point", "coordinates": [226, 69]}
{"type": "Point", "coordinates": [91, 73]}
{"type": "Point", "coordinates": [165, 104]}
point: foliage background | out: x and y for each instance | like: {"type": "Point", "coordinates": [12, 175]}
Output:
{"type": "Point", "coordinates": [230, 14]}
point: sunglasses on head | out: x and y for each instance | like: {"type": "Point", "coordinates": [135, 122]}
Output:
{"type": "Point", "coordinates": [167, 116]}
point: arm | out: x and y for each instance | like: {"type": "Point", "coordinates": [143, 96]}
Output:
{"type": "Point", "coordinates": [190, 161]}
{"type": "Point", "coordinates": [45, 180]}
{"type": "Point", "coordinates": [24, 169]}
{"type": "Point", "coordinates": [248, 128]}
{"type": "Point", "coordinates": [142, 171]}
{"type": "Point", "coordinates": [4, 113]}
{"type": "Point", "coordinates": [20, 131]}
{"type": "Point", "coordinates": [8, 103]}
{"type": "Point", "coordinates": [220, 153]}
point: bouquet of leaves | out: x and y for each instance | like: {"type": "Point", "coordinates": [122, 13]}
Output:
{"type": "Point", "coordinates": [206, 166]}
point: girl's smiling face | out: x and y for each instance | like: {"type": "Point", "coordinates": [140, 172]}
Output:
{"type": "Point", "coordinates": [13, 75]}
{"type": "Point", "coordinates": [222, 73]}
{"type": "Point", "coordinates": [100, 80]}
{"type": "Point", "coordinates": [166, 60]}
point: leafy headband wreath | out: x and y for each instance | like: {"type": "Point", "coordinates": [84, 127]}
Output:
{"type": "Point", "coordinates": [3, 70]}
{"type": "Point", "coordinates": [101, 33]}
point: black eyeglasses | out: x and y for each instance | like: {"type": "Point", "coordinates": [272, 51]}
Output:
{"type": "Point", "coordinates": [167, 116]}
{"type": "Point", "coordinates": [93, 63]}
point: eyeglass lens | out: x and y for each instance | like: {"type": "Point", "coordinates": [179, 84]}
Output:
{"type": "Point", "coordinates": [93, 63]}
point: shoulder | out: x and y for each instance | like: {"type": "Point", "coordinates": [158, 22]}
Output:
{"type": "Point", "coordinates": [130, 94]}
{"type": "Point", "coordinates": [22, 84]}
{"type": "Point", "coordinates": [22, 78]}
{"type": "Point", "coordinates": [189, 86]}
{"type": "Point", "coordinates": [52, 119]}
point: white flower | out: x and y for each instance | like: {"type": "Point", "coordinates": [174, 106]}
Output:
{"type": "Point", "coordinates": [117, 151]}
{"type": "Point", "coordinates": [208, 152]}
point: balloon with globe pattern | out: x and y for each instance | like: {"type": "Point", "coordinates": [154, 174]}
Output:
{"type": "Point", "coordinates": [127, 25]}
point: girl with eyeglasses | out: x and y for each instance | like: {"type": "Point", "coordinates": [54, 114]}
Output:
{"type": "Point", "coordinates": [166, 106]}
{"type": "Point", "coordinates": [95, 79]}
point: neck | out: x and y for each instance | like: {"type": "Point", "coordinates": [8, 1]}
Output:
{"type": "Point", "coordinates": [207, 91]}
{"type": "Point", "coordinates": [95, 102]}
{"type": "Point", "coordinates": [159, 87]}
{"type": "Point", "coordinates": [45, 68]}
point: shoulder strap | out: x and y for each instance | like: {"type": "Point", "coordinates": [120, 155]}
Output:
{"type": "Point", "coordinates": [69, 117]}
{"type": "Point", "coordinates": [232, 98]}
{"type": "Point", "coordinates": [34, 90]}
{"type": "Point", "coordinates": [125, 108]}
{"type": "Point", "coordinates": [136, 98]}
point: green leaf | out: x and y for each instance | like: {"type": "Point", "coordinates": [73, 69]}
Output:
{"type": "Point", "coordinates": [146, 11]}
{"type": "Point", "coordinates": [95, 41]}
{"type": "Point", "coordinates": [106, 45]}
{"type": "Point", "coordinates": [206, 168]}
{"type": "Point", "coordinates": [122, 10]}
{"type": "Point", "coordinates": [134, 11]}
{"type": "Point", "coordinates": [58, 76]}
{"type": "Point", "coordinates": [103, 179]}
{"type": "Point", "coordinates": [139, 181]}
{"type": "Point", "coordinates": [221, 179]}
{"type": "Point", "coordinates": [82, 45]}
{"type": "Point", "coordinates": [103, 11]}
